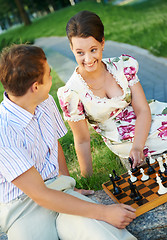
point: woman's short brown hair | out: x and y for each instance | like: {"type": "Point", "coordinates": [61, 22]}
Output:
{"type": "Point", "coordinates": [85, 24]}
{"type": "Point", "coordinates": [20, 66]}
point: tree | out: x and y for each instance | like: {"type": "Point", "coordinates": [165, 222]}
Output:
{"type": "Point", "coordinates": [24, 16]}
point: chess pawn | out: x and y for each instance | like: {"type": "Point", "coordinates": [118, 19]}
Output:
{"type": "Point", "coordinates": [152, 160]}
{"type": "Point", "coordinates": [160, 162]}
{"type": "Point", "coordinates": [116, 189]}
{"type": "Point", "coordinates": [150, 170]}
{"type": "Point", "coordinates": [144, 176]}
{"type": "Point", "coordinates": [162, 189]}
{"type": "Point", "coordinates": [132, 178]}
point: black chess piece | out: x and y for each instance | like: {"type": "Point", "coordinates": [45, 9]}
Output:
{"type": "Point", "coordinates": [135, 195]}
{"type": "Point", "coordinates": [163, 179]}
{"type": "Point", "coordinates": [116, 189]}
{"type": "Point", "coordinates": [150, 168]}
{"type": "Point", "coordinates": [116, 178]}
{"type": "Point", "coordinates": [132, 188]}
{"type": "Point", "coordinates": [131, 163]}
{"type": "Point", "coordinates": [165, 166]}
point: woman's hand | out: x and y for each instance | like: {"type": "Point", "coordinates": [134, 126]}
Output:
{"type": "Point", "coordinates": [137, 156]}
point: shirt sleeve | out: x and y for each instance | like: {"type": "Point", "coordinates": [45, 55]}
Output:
{"type": "Point", "coordinates": [14, 162]}
{"type": "Point", "coordinates": [130, 69]}
{"type": "Point", "coordinates": [60, 126]}
{"type": "Point", "coordinates": [71, 105]}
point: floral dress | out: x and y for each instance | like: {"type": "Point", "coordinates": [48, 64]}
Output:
{"type": "Point", "coordinates": [114, 118]}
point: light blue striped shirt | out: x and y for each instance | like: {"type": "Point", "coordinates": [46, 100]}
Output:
{"type": "Point", "coordinates": [28, 140]}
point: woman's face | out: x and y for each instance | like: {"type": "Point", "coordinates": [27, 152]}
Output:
{"type": "Point", "coordinates": [88, 52]}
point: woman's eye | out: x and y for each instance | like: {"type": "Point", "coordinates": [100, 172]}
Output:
{"type": "Point", "coordinates": [93, 50]}
{"type": "Point", "coordinates": [80, 53]}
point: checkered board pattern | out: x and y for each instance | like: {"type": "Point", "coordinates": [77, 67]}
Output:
{"type": "Point", "coordinates": [148, 190]}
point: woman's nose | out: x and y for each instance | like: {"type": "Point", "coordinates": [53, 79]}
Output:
{"type": "Point", "coordinates": [88, 58]}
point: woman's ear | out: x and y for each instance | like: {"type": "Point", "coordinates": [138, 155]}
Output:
{"type": "Point", "coordinates": [103, 43]}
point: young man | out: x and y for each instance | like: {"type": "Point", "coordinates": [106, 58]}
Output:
{"type": "Point", "coordinates": [37, 197]}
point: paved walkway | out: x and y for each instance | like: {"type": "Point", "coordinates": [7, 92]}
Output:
{"type": "Point", "coordinates": [152, 70]}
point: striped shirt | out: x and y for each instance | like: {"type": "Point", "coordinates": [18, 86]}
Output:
{"type": "Point", "coordinates": [28, 140]}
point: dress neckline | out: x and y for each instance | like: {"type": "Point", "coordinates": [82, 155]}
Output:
{"type": "Point", "coordinates": [108, 68]}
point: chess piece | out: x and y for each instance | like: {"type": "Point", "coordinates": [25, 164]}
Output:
{"type": "Point", "coordinates": [162, 190]}
{"type": "Point", "coordinates": [150, 168]}
{"type": "Point", "coordinates": [132, 188]}
{"type": "Point", "coordinates": [165, 166]}
{"type": "Point", "coordinates": [132, 178]}
{"type": "Point", "coordinates": [152, 160]}
{"type": "Point", "coordinates": [116, 178]}
{"type": "Point", "coordinates": [135, 195]}
{"type": "Point", "coordinates": [131, 163]}
{"type": "Point", "coordinates": [160, 162]}
{"type": "Point", "coordinates": [163, 179]}
{"type": "Point", "coordinates": [116, 189]}
{"type": "Point", "coordinates": [144, 176]}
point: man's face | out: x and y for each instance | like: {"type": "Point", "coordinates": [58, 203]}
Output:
{"type": "Point", "coordinates": [44, 88]}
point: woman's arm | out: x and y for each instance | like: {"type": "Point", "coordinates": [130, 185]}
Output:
{"type": "Point", "coordinates": [82, 146]}
{"type": "Point", "coordinates": [142, 125]}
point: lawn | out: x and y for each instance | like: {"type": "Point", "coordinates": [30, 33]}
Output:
{"type": "Point", "coordinates": [144, 25]}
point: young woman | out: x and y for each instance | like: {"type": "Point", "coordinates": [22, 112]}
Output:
{"type": "Point", "coordinates": [107, 93]}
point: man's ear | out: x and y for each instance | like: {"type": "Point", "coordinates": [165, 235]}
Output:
{"type": "Point", "coordinates": [34, 87]}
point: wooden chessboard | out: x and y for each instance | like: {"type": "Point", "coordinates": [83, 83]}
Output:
{"type": "Point", "coordinates": [147, 189]}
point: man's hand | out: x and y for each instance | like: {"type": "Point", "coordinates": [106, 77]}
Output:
{"type": "Point", "coordinates": [119, 215]}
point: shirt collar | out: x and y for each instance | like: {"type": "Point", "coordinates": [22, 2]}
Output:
{"type": "Point", "coordinates": [22, 116]}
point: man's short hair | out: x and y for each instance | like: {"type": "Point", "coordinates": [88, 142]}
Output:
{"type": "Point", "coordinates": [20, 66]}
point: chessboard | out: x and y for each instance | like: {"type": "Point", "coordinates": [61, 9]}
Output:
{"type": "Point", "coordinates": [148, 190]}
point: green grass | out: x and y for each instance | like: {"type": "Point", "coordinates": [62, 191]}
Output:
{"type": "Point", "coordinates": [144, 24]}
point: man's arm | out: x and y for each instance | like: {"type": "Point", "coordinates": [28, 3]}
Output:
{"type": "Point", "coordinates": [63, 170]}
{"type": "Point", "coordinates": [33, 185]}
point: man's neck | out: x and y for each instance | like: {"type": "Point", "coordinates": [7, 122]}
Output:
{"type": "Point", "coordinates": [25, 102]}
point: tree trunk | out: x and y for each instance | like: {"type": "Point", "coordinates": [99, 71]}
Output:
{"type": "Point", "coordinates": [24, 16]}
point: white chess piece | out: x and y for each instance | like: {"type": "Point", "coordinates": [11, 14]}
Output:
{"type": "Point", "coordinates": [144, 176]}
{"type": "Point", "coordinates": [152, 160]}
{"type": "Point", "coordinates": [162, 189]}
{"type": "Point", "coordinates": [132, 178]}
{"type": "Point", "coordinates": [160, 161]}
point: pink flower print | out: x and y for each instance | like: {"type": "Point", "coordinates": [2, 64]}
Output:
{"type": "Point", "coordinates": [126, 55]}
{"type": "Point", "coordinates": [114, 112]}
{"type": "Point", "coordinates": [64, 107]}
{"type": "Point", "coordinates": [80, 108]}
{"type": "Point", "coordinates": [126, 116]}
{"type": "Point", "coordinates": [126, 132]}
{"type": "Point", "coordinates": [97, 129]}
{"type": "Point", "coordinates": [130, 73]}
{"type": "Point", "coordinates": [163, 131]}
{"type": "Point", "coordinates": [87, 95]}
